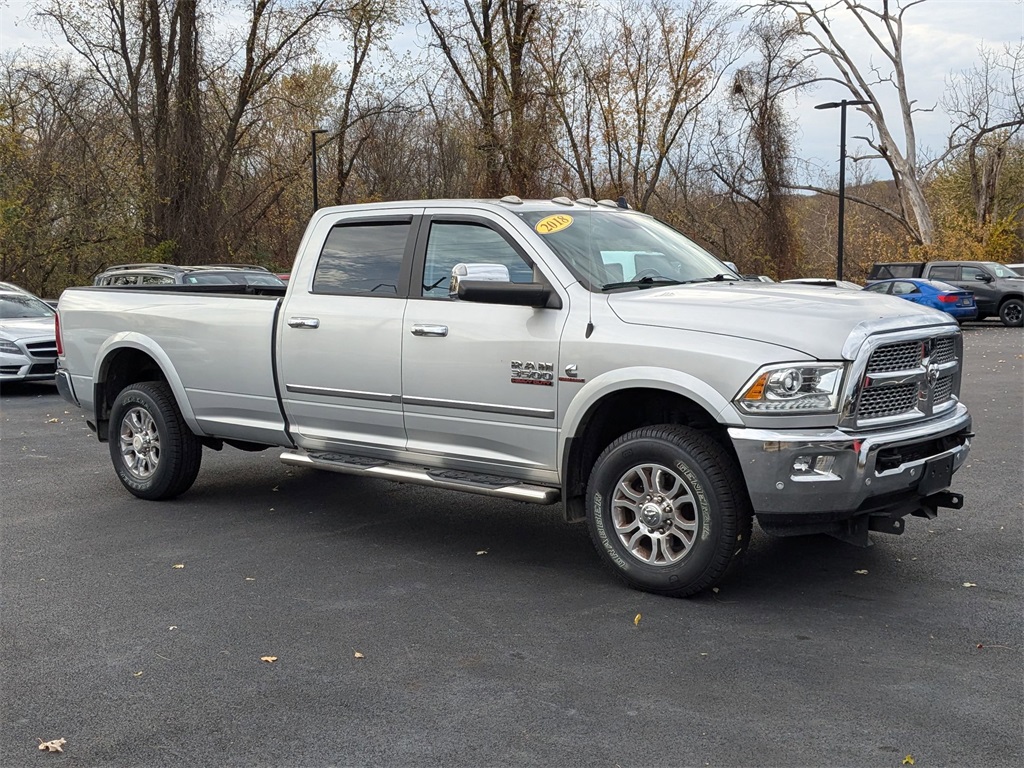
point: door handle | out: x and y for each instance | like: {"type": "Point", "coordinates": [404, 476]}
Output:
{"type": "Point", "coordinates": [303, 322]}
{"type": "Point", "coordinates": [430, 330]}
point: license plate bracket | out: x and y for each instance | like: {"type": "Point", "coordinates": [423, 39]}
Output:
{"type": "Point", "coordinates": [937, 476]}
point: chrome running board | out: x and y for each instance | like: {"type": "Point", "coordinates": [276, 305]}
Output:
{"type": "Point", "coordinates": [453, 480]}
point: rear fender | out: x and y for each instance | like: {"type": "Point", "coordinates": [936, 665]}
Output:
{"type": "Point", "coordinates": [142, 343]}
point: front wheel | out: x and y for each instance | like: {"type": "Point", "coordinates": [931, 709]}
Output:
{"type": "Point", "coordinates": [1011, 313]}
{"type": "Point", "coordinates": [667, 510]}
{"type": "Point", "coordinates": [156, 456]}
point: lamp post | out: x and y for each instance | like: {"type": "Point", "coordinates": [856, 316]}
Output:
{"type": "Point", "coordinates": [842, 170]}
{"type": "Point", "coordinates": [312, 135]}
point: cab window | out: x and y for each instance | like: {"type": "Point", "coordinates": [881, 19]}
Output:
{"type": "Point", "coordinates": [450, 243]}
{"type": "Point", "coordinates": [362, 258]}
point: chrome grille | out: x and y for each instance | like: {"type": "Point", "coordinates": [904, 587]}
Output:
{"type": "Point", "coordinates": [908, 379]}
{"type": "Point", "coordinates": [945, 350]}
{"type": "Point", "coordinates": [901, 356]}
{"type": "Point", "coordinates": [878, 402]}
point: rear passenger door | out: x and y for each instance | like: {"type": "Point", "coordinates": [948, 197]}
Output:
{"type": "Point", "coordinates": [340, 343]}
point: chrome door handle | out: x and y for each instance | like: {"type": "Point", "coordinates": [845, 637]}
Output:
{"type": "Point", "coordinates": [303, 322]}
{"type": "Point", "coordinates": [430, 330]}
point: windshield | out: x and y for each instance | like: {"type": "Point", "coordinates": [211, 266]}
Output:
{"type": "Point", "coordinates": [12, 306]}
{"type": "Point", "coordinates": [609, 249]}
{"type": "Point", "coordinates": [1002, 271]}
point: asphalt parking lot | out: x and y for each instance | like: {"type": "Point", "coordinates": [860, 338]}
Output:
{"type": "Point", "coordinates": [488, 633]}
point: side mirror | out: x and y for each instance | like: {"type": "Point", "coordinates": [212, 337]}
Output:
{"type": "Point", "coordinates": [497, 273]}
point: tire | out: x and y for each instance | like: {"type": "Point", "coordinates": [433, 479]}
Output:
{"type": "Point", "coordinates": [696, 523]}
{"type": "Point", "coordinates": [1011, 313]}
{"type": "Point", "coordinates": [155, 454]}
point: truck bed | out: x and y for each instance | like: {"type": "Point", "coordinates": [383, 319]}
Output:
{"type": "Point", "coordinates": [215, 348]}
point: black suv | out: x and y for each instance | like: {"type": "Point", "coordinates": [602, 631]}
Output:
{"type": "Point", "coordinates": [168, 274]}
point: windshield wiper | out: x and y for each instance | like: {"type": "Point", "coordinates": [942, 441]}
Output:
{"type": "Point", "coordinates": [720, 278]}
{"type": "Point", "coordinates": [644, 282]}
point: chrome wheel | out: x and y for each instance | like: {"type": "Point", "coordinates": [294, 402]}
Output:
{"type": "Point", "coordinates": [655, 514]}
{"type": "Point", "coordinates": [140, 443]}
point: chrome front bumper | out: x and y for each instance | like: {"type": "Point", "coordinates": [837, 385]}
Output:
{"type": "Point", "coordinates": [867, 472]}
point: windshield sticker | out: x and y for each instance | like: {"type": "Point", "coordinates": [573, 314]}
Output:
{"type": "Point", "coordinates": [551, 224]}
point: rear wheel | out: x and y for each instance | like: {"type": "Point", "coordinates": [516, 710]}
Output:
{"type": "Point", "coordinates": [1011, 313]}
{"type": "Point", "coordinates": [667, 510]}
{"type": "Point", "coordinates": [155, 454]}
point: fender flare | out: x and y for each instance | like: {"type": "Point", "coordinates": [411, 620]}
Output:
{"type": "Point", "coordinates": [143, 343]}
{"type": "Point", "coordinates": [641, 377]}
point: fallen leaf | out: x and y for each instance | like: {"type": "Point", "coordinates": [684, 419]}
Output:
{"type": "Point", "coordinates": [636, 621]}
{"type": "Point", "coordinates": [908, 760]}
{"type": "Point", "coordinates": [179, 566]}
{"type": "Point", "coordinates": [980, 645]}
{"type": "Point", "coordinates": [53, 421]}
{"type": "Point", "coordinates": [481, 551]}
{"type": "Point", "coordinates": [358, 655]}
{"type": "Point", "coordinates": [970, 584]}
{"type": "Point", "coordinates": [861, 573]}
{"type": "Point", "coordinates": [172, 628]}
{"type": "Point", "coordinates": [715, 590]}
{"type": "Point", "coordinates": [137, 674]}
{"type": "Point", "coordinates": [57, 745]}
{"type": "Point", "coordinates": [249, 578]}
{"type": "Point", "coordinates": [703, 654]}
{"type": "Point", "coordinates": [268, 659]}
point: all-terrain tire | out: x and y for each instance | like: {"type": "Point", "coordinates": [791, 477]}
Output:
{"type": "Point", "coordinates": [155, 455]}
{"type": "Point", "coordinates": [667, 510]}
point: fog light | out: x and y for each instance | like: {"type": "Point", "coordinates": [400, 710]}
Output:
{"type": "Point", "coordinates": [813, 466]}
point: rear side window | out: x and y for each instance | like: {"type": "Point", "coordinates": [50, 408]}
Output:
{"type": "Point", "coordinates": [362, 258]}
{"type": "Point", "coordinates": [943, 273]}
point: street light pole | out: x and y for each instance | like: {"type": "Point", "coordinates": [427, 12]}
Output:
{"type": "Point", "coordinates": [316, 199]}
{"type": "Point", "coordinates": [842, 170]}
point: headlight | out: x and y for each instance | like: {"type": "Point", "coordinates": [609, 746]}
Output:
{"type": "Point", "coordinates": [793, 388]}
{"type": "Point", "coordinates": [9, 347]}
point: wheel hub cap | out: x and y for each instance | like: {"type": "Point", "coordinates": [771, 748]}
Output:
{"type": "Point", "coordinates": [655, 514]}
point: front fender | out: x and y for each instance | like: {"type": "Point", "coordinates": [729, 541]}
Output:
{"type": "Point", "coordinates": [143, 343]}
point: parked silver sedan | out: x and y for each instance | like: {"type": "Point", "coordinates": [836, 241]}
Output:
{"type": "Point", "coordinates": [28, 340]}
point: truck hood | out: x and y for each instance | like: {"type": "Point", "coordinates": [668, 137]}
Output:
{"type": "Point", "coordinates": [814, 320]}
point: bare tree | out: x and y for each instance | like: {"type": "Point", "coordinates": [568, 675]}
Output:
{"type": "Point", "coordinates": [987, 103]}
{"type": "Point", "coordinates": [870, 81]}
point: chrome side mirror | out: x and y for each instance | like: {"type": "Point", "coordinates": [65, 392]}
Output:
{"type": "Point", "coordinates": [497, 273]}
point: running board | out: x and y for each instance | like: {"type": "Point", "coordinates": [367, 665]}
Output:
{"type": "Point", "coordinates": [454, 480]}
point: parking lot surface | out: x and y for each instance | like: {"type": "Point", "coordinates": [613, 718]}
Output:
{"type": "Point", "coordinates": [414, 627]}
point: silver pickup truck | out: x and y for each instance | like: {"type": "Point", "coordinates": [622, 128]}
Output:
{"type": "Point", "coordinates": [540, 351]}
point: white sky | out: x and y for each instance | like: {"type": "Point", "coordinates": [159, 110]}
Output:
{"type": "Point", "coordinates": [940, 37]}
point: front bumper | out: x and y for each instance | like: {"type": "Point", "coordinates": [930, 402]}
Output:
{"type": "Point", "coordinates": [861, 473]}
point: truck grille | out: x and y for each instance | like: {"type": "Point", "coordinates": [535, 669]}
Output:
{"type": "Point", "coordinates": [878, 402]}
{"type": "Point", "coordinates": [909, 379]}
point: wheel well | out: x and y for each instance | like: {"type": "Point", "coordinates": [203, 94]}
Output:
{"type": "Point", "coordinates": [615, 415]}
{"type": "Point", "coordinates": [121, 368]}
{"type": "Point", "coordinates": [1011, 296]}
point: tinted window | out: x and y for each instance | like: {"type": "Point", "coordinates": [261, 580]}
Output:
{"type": "Point", "coordinates": [879, 287]}
{"type": "Point", "coordinates": [972, 273]}
{"type": "Point", "coordinates": [943, 273]}
{"type": "Point", "coordinates": [157, 280]}
{"type": "Point", "coordinates": [452, 243]}
{"type": "Point", "coordinates": [362, 258]}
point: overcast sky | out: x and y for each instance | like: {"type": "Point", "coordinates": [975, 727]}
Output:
{"type": "Point", "coordinates": [940, 37]}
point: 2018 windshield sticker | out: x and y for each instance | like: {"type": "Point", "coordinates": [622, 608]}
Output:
{"type": "Point", "coordinates": [551, 224]}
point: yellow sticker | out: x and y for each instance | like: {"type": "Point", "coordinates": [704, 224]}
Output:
{"type": "Point", "coordinates": [551, 224]}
